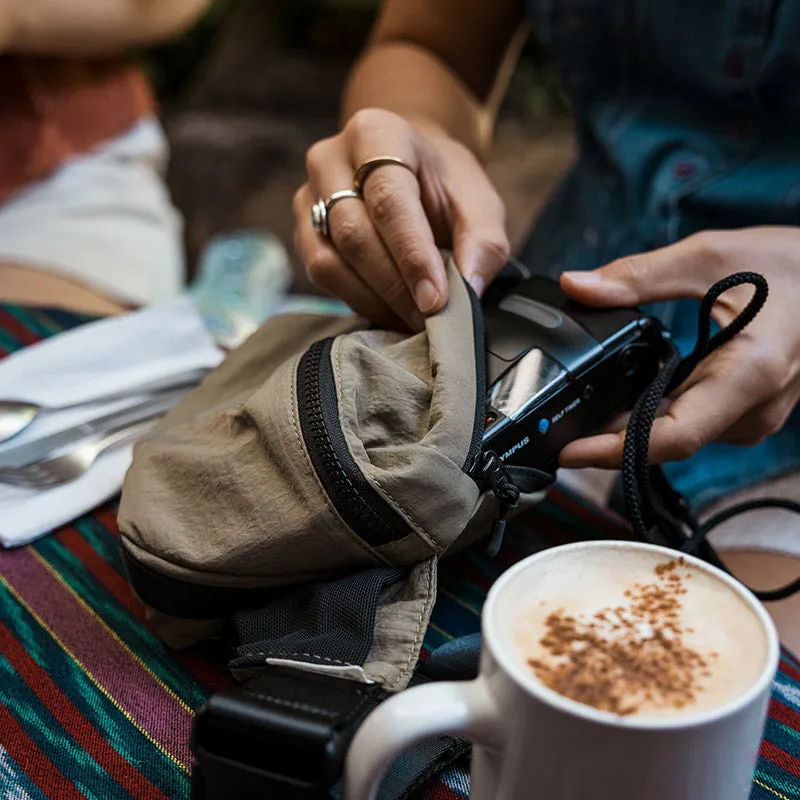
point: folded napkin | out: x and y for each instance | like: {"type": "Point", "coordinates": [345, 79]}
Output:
{"type": "Point", "coordinates": [117, 354]}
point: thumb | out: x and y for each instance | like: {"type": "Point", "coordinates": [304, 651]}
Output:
{"type": "Point", "coordinates": [670, 273]}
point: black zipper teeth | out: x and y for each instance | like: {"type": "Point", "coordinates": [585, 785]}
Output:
{"type": "Point", "coordinates": [472, 466]}
{"type": "Point", "coordinates": [361, 507]}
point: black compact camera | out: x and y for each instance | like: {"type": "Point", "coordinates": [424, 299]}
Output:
{"type": "Point", "coordinates": [558, 370]}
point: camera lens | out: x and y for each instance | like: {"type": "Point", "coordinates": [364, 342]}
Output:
{"type": "Point", "coordinates": [588, 391]}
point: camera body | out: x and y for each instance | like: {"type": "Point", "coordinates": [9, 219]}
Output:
{"type": "Point", "coordinates": [558, 370]}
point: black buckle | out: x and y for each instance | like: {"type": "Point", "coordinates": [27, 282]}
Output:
{"type": "Point", "coordinates": [283, 735]}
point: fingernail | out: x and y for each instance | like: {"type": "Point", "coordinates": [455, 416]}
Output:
{"type": "Point", "coordinates": [477, 283]}
{"type": "Point", "coordinates": [584, 278]}
{"type": "Point", "coordinates": [426, 296]}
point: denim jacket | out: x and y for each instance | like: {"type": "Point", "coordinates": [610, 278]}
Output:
{"type": "Point", "coordinates": [687, 116]}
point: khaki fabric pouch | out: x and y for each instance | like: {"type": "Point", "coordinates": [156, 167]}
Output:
{"type": "Point", "coordinates": [319, 449]}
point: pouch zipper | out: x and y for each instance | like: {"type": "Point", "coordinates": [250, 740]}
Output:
{"type": "Point", "coordinates": [496, 478]}
{"type": "Point", "coordinates": [473, 465]}
{"type": "Point", "coordinates": [486, 468]}
{"type": "Point", "coordinates": [362, 508]}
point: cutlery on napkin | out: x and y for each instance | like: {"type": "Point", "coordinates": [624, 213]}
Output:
{"type": "Point", "coordinates": [112, 356]}
{"type": "Point", "coordinates": [16, 415]}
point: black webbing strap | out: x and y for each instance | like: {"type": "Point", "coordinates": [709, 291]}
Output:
{"type": "Point", "coordinates": [284, 734]}
{"type": "Point", "coordinates": [658, 513]}
{"type": "Point", "coordinates": [323, 623]}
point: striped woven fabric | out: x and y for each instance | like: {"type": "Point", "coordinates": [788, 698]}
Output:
{"type": "Point", "coordinates": [93, 705]}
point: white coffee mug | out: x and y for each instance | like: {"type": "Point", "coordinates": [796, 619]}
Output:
{"type": "Point", "coordinates": [532, 743]}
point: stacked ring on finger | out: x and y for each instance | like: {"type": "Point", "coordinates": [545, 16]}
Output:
{"type": "Point", "coordinates": [366, 168]}
{"type": "Point", "coordinates": [322, 208]}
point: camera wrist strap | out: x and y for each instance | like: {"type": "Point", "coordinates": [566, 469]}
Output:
{"type": "Point", "coordinates": [658, 513]}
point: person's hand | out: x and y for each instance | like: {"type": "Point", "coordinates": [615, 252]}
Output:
{"type": "Point", "coordinates": [382, 256]}
{"type": "Point", "coordinates": [743, 392]}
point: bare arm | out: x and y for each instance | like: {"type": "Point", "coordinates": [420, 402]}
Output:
{"type": "Point", "coordinates": [426, 91]}
{"type": "Point", "coordinates": [92, 27]}
{"type": "Point", "coordinates": [442, 64]}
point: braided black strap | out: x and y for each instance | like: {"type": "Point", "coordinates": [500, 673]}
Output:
{"type": "Point", "coordinates": [658, 513]}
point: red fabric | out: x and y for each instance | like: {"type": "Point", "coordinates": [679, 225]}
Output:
{"type": "Point", "coordinates": [51, 109]}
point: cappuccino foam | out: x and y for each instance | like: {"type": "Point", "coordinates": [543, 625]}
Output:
{"type": "Point", "coordinates": [637, 633]}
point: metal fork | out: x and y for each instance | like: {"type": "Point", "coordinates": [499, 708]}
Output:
{"type": "Point", "coordinates": [66, 467]}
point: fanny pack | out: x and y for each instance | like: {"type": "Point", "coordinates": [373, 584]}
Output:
{"type": "Point", "coordinates": [327, 458]}
{"type": "Point", "coordinates": [299, 502]}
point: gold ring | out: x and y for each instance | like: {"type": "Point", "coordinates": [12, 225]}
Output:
{"type": "Point", "coordinates": [367, 167]}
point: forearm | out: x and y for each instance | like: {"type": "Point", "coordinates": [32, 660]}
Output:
{"type": "Point", "coordinates": [86, 28]}
{"type": "Point", "coordinates": [414, 83]}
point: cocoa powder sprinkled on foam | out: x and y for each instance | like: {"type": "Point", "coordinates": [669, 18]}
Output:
{"type": "Point", "coordinates": [629, 657]}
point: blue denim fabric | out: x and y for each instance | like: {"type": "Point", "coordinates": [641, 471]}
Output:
{"type": "Point", "coordinates": [687, 119]}
{"type": "Point", "coordinates": [456, 660]}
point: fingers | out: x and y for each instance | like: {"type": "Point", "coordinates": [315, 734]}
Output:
{"type": "Point", "coordinates": [391, 242]}
{"type": "Point", "coordinates": [685, 269]}
{"type": "Point", "coordinates": [706, 412]}
{"type": "Point", "coordinates": [328, 272]}
{"type": "Point", "coordinates": [604, 451]}
{"type": "Point", "coordinates": [749, 387]}
{"type": "Point", "coordinates": [670, 441]}
{"type": "Point", "coordinates": [353, 235]}
{"type": "Point", "coordinates": [763, 420]}
{"type": "Point", "coordinates": [393, 203]}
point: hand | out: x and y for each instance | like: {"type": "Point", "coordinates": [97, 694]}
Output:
{"type": "Point", "coordinates": [382, 257]}
{"type": "Point", "coordinates": [745, 391]}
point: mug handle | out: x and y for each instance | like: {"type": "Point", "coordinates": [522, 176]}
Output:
{"type": "Point", "coordinates": [462, 708]}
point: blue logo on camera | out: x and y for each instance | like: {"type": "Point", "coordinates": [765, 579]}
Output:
{"type": "Point", "coordinates": [544, 425]}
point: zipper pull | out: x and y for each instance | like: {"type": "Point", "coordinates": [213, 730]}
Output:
{"type": "Point", "coordinates": [496, 476]}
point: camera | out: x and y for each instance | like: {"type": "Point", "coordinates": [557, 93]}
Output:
{"type": "Point", "coordinates": [558, 370]}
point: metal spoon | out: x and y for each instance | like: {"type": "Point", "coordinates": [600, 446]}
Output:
{"type": "Point", "coordinates": [16, 415]}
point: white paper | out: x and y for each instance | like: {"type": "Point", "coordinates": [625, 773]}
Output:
{"type": "Point", "coordinates": [114, 354]}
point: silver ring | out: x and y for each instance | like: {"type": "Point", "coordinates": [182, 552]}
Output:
{"type": "Point", "coordinates": [321, 209]}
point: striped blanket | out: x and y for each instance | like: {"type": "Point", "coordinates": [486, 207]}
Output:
{"type": "Point", "coordinates": [93, 705]}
